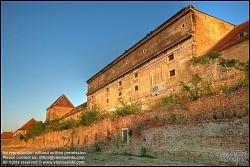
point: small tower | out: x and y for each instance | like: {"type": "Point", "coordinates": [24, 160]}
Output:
{"type": "Point", "coordinates": [60, 107]}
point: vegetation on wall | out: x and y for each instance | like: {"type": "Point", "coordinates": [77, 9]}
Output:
{"type": "Point", "coordinates": [204, 59]}
{"type": "Point", "coordinates": [188, 92]}
{"type": "Point", "coordinates": [35, 130]}
{"type": "Point", "coordinates": [127, 109]}
{"type": "Point", "coordinates": [227, 64]}
{"type": "Point", "coordinates": [90, 116]}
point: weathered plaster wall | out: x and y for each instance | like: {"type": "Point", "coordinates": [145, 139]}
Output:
{"type": "Point", "coordinates": [56, 112]}
{"type": "Point", "coordinates": [207, 31]}
{"type": "Point", "coordinates": [146, 50]}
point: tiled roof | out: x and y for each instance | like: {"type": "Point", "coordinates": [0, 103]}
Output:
{"type": "Point", "coordinates": [236, 35]}
{"type": "Point", "coordinates": [77, 109]}
{"type": "Point", "coordinates": [6, 135]}
{"type": "Point", "coordinates": [62, 101]}
{"type": "Point", "coordinates": [28, 124]}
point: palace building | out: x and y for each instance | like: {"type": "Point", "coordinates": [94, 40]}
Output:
{"type": "Point", "coordinates": [159, 62]}
{"type": "Point", "coordinates": [155, 66]}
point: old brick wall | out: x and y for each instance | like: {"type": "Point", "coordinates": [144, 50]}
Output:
{"type": "Point", "coordinates": [202, 130]}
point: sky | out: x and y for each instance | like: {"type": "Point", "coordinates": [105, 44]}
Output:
{"type": "Point", "coordinates": [53, 48]}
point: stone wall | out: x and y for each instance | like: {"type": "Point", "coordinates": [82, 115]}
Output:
{"type": "Point", "coordinates": [208, 127]}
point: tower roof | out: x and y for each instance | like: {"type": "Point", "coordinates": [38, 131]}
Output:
{"type": "Point", "coordinates": [62, 101]}
{"type": "Point", "coordinates": [26, 126]}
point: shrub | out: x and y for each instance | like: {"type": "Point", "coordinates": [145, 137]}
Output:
{"type": "Point", "coordinates": [35, 130]}
{"type": "Point", "coordinates": [143, 152]}
{"type": "Point", "coordinates": [194, 60]}
{"type": "Point", "coordinates": [228, 88]}
{"type": "Point", "coordinates": [227, 63]}
{"type": "Point", "coordinates": [213, 55]}
{"type": "Point", "coordinates": [206, 88]}
{"type": "Point", "coordinates": [204, 59]}
{"type": "Point", "coordinates": [173, 118]}
{"type": "Point", "coordinates": [127, 109]}
{"type": "Point", "coordinates": [97, 147]}
{"type": "Point", "coordinates": [90, 116]}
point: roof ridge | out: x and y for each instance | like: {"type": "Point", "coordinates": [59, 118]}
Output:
{"type": "Point", "coordinates": [61, 102]}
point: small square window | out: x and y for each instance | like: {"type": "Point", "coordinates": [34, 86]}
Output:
{"type": "Point", "coordinates": [136, 88]}
{"type": "Point", "coordinates": [107, 100]}
{"type": "Point", "coordinates": [136, 75]}
{"type": "Point", "coordinates": [172, 73]}
{"type": "Point", "coordinates": [241, 34]}
{"type": "Point", "coordinates": [171, 57]}
{"type": "Point", "coordinates": [120, 83]}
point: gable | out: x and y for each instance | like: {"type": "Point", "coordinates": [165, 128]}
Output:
{"type": "Point", "coordinates": [62, 101]}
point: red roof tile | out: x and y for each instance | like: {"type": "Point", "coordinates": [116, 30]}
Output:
{"type": "Point", "coordinates": [6, 135]}
{"type": "Point", "coordinates": [232, 37]}
{"type": "Point", "coordinates": [62, 101]}
{"type": "Point", "coordinates": [28, 124]}
{"type": "Point", "coordinates": [77, 109]}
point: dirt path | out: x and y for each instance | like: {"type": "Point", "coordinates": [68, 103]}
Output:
{"type": "Point", "coordinates": [105, 159]}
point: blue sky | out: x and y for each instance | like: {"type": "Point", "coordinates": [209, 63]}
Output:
{"type": "Point", "coordinates": [53, 48]}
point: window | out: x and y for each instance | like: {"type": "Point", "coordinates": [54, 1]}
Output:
{"type": "Point", "coordinates": [144, 50]}
{"type": "Point", "coordinates": [136, 75]}
{"type": "Point", "coordinates": [241, 34]}
{"type": "Point", "coordinates": [120, 83]}
{"type": "Point", "coordinates": [136, 88]}
{"type": "Point", "coordinates": [172, 73]}
{"type": "Point", "coordinates": [171, 57]}
{"type": "Point", "coordinates": [120, 93]}
{"type": "Point", "coordinates": [107, 100]}
{"type": "Point", "coordinates": [107, 89]}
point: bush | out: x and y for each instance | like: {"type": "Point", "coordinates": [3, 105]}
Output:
{"type": "Point", "coordinates": [228, 88]}
{"type": "Point", "coordinates": [213, 55]}
{"type": "Point", "coordinates": [91, 116]}
{"type": "Point", "coordinates": [173, 118]}
{"type": "Point", "coordinates": [35, 130]}
{"type": "Point", "coordinates": [192, 92]}
{"type": "Point", "coordinates": [204, 59]}
{"type": "Point", "coordinates": [228, 63]}
{"type": "Point", "coordinates": [127, 109]}
{"type": "Point", "coordinates": [206, 88]}
{"type": "Point", "coordinates": [97, 147]}
{"type": "Point", "coordinates": [143, 152]}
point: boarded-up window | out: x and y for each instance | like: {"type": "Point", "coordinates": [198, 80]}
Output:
{"type": "Point", "coordinates": [125, 136]}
